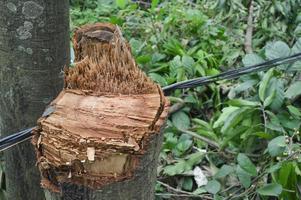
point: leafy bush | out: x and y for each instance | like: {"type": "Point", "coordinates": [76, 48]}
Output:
{"type": "Point", "coordinates": [235, 139]}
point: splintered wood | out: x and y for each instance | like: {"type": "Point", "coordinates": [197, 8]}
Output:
{"type": "Point", "coordinates": [102, 121]}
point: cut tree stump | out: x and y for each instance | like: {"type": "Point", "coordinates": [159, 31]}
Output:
{"type": "Point", "coordinates": [101, 137]}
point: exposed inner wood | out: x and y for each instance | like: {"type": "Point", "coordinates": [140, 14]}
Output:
{"type": "Point", "coordinates": [104, 63]}
{"type": "Point", "coordinates": [102, 121]}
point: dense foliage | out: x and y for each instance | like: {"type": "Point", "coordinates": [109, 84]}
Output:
{"type": "Point", "coordinates": [235, 139]}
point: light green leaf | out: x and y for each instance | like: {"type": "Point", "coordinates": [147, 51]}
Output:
{"type": "Point", "coordinates": [177, 168]}
{"type": "Point", "coordinates": [272, 189]}
{"type": "Point", "coordinates": [246, 164]}
{"type": "Point", "coordinates": [294, 90]}
{"type": "Point", "coordinates": [199, 190]}
{"type": "Point", "coordinates": [274, 168]}
{"type": "Point", "coordinates": [233, 119]}
{"type": "Point", "coordinates": [188, 63]}
{"type": "Point", "coordinates": [276, 85]}
{"type": "Point", "coordinates": [225, 170]}
{"type": "Point", "coordinates": [213, 186]}
{"type": "Point", "coordinates": [264, 84]}
{"type": "Point", "coordinates": [225, 114]}
{"type": "Point", "coordinates": [243, 177]}
{"type": "Point", "coordinates": [245, 86]}
{"type": "Point", "coordinates": [296, 49]}
{"type": "Point", "coordinates": [242, 102]}
{"type": "Point", "coordinates": [252, 59]}
{"type": "Point", "coordinates": [121, 3]}
{"type": "Point", "coordinates": [277, 49]}
{"type": "Point", "coordinates": [181, 120]}
{"type": "Point", "coordinates": [277, 146]}
{"type": "Point", "coordinates": [154, 4]}
{"type": "Point", "coordinates": [158, 78]}
{"type": "Point", "coordinates": [294, 111]}
{"type": "Point", "coordinates": [194, 158]}
{"type": "Point", "coordinates": [269, 99]}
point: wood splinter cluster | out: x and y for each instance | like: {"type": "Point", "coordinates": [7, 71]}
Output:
{"type": "Point", "coordinates": [102, 122]}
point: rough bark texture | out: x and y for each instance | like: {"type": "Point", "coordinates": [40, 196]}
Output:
{"type": "Point", "coordinates": [34, 47]}
{"type": "Point", "coordinates": [101, 137]}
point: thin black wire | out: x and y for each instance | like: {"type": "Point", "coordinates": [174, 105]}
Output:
{"type": "Point", "coordinates": [23, 135]}
{"type": "Point", "coordinates": [231, 73]}
{"type": "Point", "coordinates": [15, 138]}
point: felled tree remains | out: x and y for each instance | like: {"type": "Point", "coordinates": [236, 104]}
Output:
{"type": "Point", "coordinates": [105, 121]}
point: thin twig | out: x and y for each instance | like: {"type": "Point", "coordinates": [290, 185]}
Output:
{"type": "Point", "coordinates": [176, 107]}
{"type": "Point", "coordinates": [202, 138]}
{"type": "Point", "coordinates": [183, 192]}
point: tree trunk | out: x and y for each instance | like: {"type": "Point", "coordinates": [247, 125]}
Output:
{"type": "Point", "coordinates": [103, 135]}
{"type": "Point", "coordinates": [34, 47]}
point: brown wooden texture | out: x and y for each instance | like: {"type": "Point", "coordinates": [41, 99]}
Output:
{"type": "Point", "coordinates": [102, 138]}
{"type": "Point", "coordinates": [34, 47]}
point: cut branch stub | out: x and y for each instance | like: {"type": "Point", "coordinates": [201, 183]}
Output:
{"type": "Point", "coordinates": [103, 121]}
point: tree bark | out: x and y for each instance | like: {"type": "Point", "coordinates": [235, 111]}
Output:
{"type": "Point", "coordinates": [103, 136]}
{"type": "Point", "coordinates": [34, 47]}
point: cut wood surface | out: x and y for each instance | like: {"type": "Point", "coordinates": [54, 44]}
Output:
{"type": "Point", "coordinates": [103, 133]}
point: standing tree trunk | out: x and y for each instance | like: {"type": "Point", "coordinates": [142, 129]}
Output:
{"type": "Point", "coordinates": [102, 137]}
{"type": "Point", "coordinates": [34, 47]}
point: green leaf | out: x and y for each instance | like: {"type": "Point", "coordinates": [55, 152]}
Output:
{"type": "Point", "coordinates": [154, 4]}
{"type": "Point", "coordinates": [243, 177]}
{"type": "Point", "coordinates": [225, 113]}
{"type": "Point", "coordinates": [294, 90]}
{"type": "Point", "coordinates": [181, 120]}
{"type": "Point", "coordinates": [233, 119]}
{"type": "Point", "coordinates": [194, 158]}
{"type": "Point", "coordinates": [269, 99]}
{"type": "Point", "coordinates": [272, 189]}
{"type": "Point", "coordinates": [277, 49]}
{"type": "Point", "coordinates": [158, 79]}
{"type": "Point", "coordinates": [294, 111]}
{"type": "Point", "coordinates": [199, 190]}
{"type": "Point", "coordinates": [264, 84]}
{"type": "Point", "coordinates": [252, 59]}
{"type": "Point", "coordinates": [246, 164]}
{"type": "Point", "coordinates": [285, 173]}
{"type": "Point", "coordinates": [188, 62]}
{"type": "Point", "coordinates": [274, 168]}
{"type": "Point", "coordinates": [213, 186]}
{"type": "Point", "coordinates": [242, 102]}
{"type": "Point", "coordinates": [143, 59]}
{"type": "Point", "coordinates": [296, 49]}
{"type": "Point", "coordinates": [184, 144]}
{"type": "Point", "coordinates": [245, 86]}
{"type": "Point", "coordinates": [277, 146]}
{"type": "Point", "coordinates": [187, 183]}
{"type": "Point", "coordinates": [177, 168]}
{"type": "Point", "coordinates": [276, 85]}
{"type": "Point", "coordinates": [121, 3]}
{"type": "Point", "coordinates": [225, 170]}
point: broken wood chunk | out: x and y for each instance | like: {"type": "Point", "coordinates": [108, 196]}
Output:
{"type": "Point", "coordinates": [105, 120]}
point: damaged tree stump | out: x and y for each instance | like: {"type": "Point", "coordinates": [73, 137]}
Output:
{"type": "Point", "coordinates": [101, 137]}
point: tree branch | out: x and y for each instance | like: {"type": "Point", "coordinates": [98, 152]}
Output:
{"type": "Point", "coordinates": [249, 31]}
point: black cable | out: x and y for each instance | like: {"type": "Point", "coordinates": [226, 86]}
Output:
{"type": "Point", "coordinates": [15, 138]}
{"type": "Point", "coordinates": [231, 73]}
{"type": "Point", "coordinates": [21, 136]}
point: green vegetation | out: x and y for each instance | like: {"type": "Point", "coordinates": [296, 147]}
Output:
{"type": "Point", "coordinates": [235, 139]}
